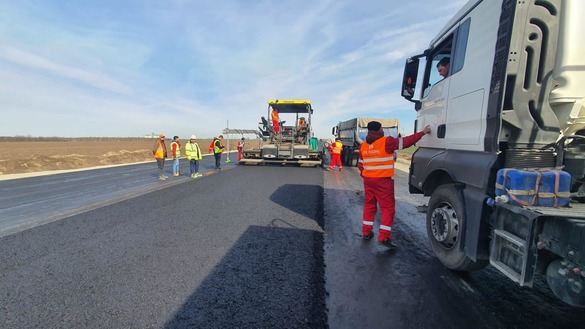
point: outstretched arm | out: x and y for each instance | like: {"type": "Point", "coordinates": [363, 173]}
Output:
{"type": "Point", "coordinates": [393, 144]}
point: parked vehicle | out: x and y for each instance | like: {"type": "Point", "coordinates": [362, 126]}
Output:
{"type": "Point", "coordinates": [293, 144]}
{"type": "Point", "coordinates": [505, 164]}
{"type": "Point", "coordinates": [354, 131]}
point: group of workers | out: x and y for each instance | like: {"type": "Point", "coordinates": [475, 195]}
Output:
{"type": "Point", "coordinates": [376, 166]}
{"type": "Point", "coordinates": [192, 152]}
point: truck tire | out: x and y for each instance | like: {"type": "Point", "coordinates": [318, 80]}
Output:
{"type": "Point", "coordinates": [354, 159]}
{"type": "Point", "coordinates": [346, 157]}
{"type": "Point", "coordinates": [446, 229]}
{"type": "Point", "coordinates": [343, 156]}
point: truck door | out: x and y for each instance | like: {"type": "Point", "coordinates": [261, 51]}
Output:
{"type": "Point", "coordinates": [456, 105]}
{"type": "Point", "coordinates": [435, 98]}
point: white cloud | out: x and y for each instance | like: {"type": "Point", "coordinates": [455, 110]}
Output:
{"type": "Point", "coordinates": [33, 61]}
{"type": "Point", "coordinates": [97, 68]}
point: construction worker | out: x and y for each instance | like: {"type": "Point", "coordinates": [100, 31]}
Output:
{"type": "Point", "coordinates": [210, 150]}
{"type": "Point", "coordinates": [176, 152]}
{"type": "Point", "coordinates": [193, 153]}
{"type": "Point", "coordinates": [335, 151]}
{"type": "Point", "coordinates": [275, 120]}
{"type": "Point", "coordinates": [217, 150]}
{"type": "Point", "coordinates": [302, 124]}
{"type": "Point", "coordinates": [160, 154]}
{"type": "Point", "coordinates": [241, 144]}
{"type": "Point", "coordinates": [376, 165]}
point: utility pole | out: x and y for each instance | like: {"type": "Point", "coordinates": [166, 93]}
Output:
{"type": "Point", "coordinates": [227, 160]}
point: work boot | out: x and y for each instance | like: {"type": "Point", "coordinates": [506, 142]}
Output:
{"type": "Point", "coordinates": [162, 177]}
{"type": "Point", "coordinates": [388, 244]}
{"type": "Point", "coordinates": [340, 169]}
{"type": "Point", "coordinates": [175, 174]}
{"type": "Point", "coordinates": [194, 175]}
{"type": "Point", "coordinates": [368, 236]}
{"type": "Point", "coordinates": [198, 174]}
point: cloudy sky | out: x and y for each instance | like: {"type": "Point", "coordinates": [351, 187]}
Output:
{"type": "Point", "coordinates": [125, 68]}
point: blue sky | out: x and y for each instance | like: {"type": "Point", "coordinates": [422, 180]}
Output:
{"type": "Point", "coordinates": [125, 68]}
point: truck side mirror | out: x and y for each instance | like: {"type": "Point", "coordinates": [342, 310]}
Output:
{"type": "Point", "coordinates": [409, 78]}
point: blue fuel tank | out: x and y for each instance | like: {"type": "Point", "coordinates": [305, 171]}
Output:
{"type": "Point", "coordinates": [536, 187]}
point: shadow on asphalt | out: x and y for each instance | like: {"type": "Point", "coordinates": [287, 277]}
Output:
{"type": "Point", "coordinates": [271, 278]}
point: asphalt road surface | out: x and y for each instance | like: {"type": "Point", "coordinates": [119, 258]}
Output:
{"type": "Point", "coordinates": [247, 247]}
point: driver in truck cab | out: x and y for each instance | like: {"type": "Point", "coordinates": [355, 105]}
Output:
{"type": "Point", "coordinates": [376, 165]}
{"type": "Point", "coordinates": [443, 67]}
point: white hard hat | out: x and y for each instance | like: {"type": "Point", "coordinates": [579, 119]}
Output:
{"type": "Point", "coordinates": [193, 137]}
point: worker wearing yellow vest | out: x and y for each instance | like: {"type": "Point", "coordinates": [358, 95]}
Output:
{"type": "Point", "coordinates": [217, 150]}
{"type": "Point", "coordinates": [193, 153]}
{"type": "Point", "coordinates": [376, 165]}
{"type": "Point", "coordinates": [159, 151]}
{"type": "Point", "coordinates": [335, 150]}
{"type": "Point", "coordinates": [176, 152]}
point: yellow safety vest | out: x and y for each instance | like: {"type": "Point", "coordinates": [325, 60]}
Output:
{"type": "Point", "coordinates": [216, 147]}
{"type": "Point", "coordinates": [193, 151]}
{"type": "Point", "coordinates": [337, 147]}
{"type": "Point", "coordinates": [178, 149]}
{"type": "Point", "coordinates": [160, 152]}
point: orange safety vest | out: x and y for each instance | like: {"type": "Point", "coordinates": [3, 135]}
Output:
{"type": "Point", "coordinates": [337, 147]}
{"type": "Point", "coordinates": [377, 163]}
{"type": "Point", "coordinates": [275, 116]}
{"type": "Point", "coordinates": [160, 152]}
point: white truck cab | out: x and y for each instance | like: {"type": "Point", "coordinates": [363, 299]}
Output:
{"type": "Point", "coordinates": [508, 114]}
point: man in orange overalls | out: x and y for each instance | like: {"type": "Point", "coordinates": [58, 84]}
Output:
{"type": "Point", "coordinates": [335, 151]}
{"type": "Point", "coordinates": [376, 165]}
{"type": "Point", "coordinates": [275, 120]}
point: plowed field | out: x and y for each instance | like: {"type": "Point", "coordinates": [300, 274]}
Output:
{"type": "Point", "coordinates": [27, 155]}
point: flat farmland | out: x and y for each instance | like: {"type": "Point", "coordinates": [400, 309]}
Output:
{"type": "Point", "coordinates": [28, 154]}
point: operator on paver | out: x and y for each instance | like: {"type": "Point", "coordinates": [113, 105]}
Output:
{"type": "Point", "coordinates": [376, 165]}
{"type": "Point", "coordinates": [275, 120]}
{"type": "Point", "coordinates": [302, 124]}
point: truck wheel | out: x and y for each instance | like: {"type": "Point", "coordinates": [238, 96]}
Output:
{"type": "Point", "coordinates": [565, 282]}
{"type": "Point", "coordinates": [354, 160]}
{"type": "Point", "coordinates": [446, 229]}
{"type": "Point", "coordinates": [345, 157]}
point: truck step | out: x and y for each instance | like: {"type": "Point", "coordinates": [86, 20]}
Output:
{"type": "Point", "coordinates": [509, 255]}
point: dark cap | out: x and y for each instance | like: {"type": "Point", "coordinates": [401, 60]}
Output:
{"type": "Point", "coordinates": [374, 125]}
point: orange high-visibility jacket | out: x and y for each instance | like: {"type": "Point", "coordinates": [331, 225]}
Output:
{"type": "Point", "coordinates": [159, 150]}
{"type": "Point", "coordinates": [377, 162]}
